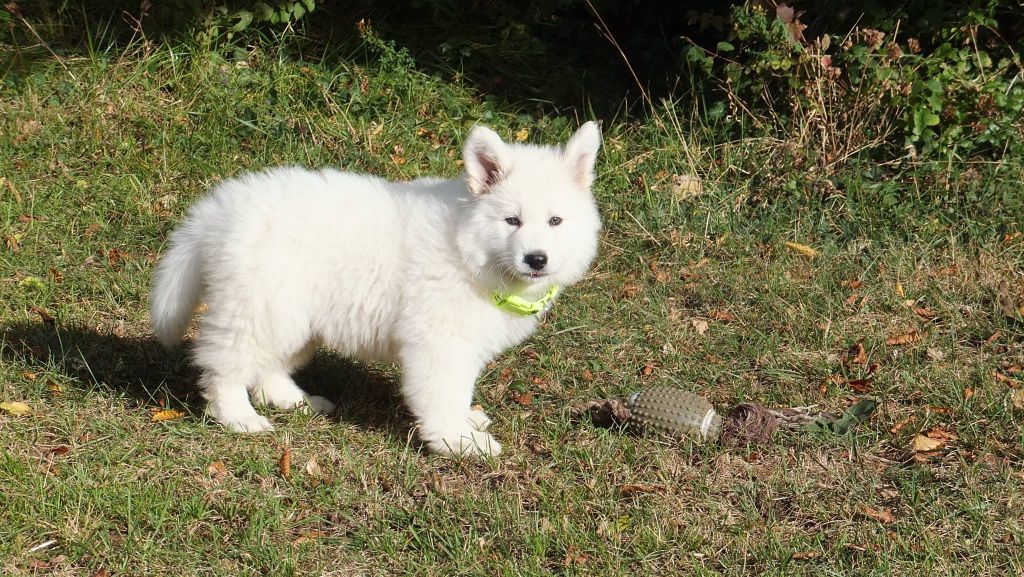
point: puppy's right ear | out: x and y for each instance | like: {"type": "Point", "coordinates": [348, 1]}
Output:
{"type": "Point", "coordinates": [486, 159]}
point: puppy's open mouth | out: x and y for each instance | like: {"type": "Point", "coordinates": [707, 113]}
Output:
{"type": "Point", "coordinates": [533, 275]}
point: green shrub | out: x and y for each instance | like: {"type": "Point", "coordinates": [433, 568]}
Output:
{"type": "Point", "coordinates": [869, 91]}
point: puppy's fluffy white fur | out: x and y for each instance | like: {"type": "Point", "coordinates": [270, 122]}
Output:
{"type": "Point", "coordinates": [290, 259]}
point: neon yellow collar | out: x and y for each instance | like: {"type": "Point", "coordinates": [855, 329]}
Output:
{"type": "Point", "coordinates": [522, 307]}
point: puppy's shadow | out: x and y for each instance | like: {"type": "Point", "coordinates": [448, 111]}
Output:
{"type": "Point", "coordinates": [145, 371]}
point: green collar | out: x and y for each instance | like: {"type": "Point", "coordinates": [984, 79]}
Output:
{"type": "Point", "coordinates": [522, 307]}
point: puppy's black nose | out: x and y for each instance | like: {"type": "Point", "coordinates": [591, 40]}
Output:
{"type": "Point", "coordinates": [536, 260]}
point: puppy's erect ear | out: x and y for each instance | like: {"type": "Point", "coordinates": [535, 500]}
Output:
{"type": "Point", "coordinates": [485, 157]}
{"type": "Point", "coordinates": [581, 152]}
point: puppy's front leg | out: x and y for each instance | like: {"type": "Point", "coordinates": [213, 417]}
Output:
{"type": "Point", "coordinates": [437, 384]}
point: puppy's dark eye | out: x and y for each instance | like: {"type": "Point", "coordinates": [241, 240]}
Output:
{"type": "Point", "coordinates": [514, 221]}
{"type": "Point", "coordinates": [555, 221]}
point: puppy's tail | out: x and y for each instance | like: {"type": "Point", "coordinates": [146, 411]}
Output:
{"type": "Point", "coordinates": [176, 286]}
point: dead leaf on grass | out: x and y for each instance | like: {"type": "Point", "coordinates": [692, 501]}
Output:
{"type": "Point", "coordinates": [900, 424]}
{"type": "Point", "coordinates": [284, 464]}
{"type": "Point", "coordinates": [856, 355]}
{"type": "Point", "coordinates": [700, 325]}
{"type": "Point", "coordinates": [721, 316]}
{"type": "Point", "coordinates": [925, 313]}
{"type": "Point", "coordinates": [805, 555]}
{"type": "Point", "coordinates": [1017, 398]}
{"type": "Point", "coordinates": [313, 469]}
{"type": "Point", "coordinates": [629, 291]}
{"type": "Point", "coordinates": [307, 537]}
{"type": "Point", "coordinates": [852, 284]}
{"type": "Point", "coordinates": [573, 558]}
{"type": "Point", "coordinates": [686, 186]}
{"type": "Point", "coordinates": [16, 408]}
{"type": "Point", "coordinates": [925, 444]}
{"type": "Point", "coordinates": [883, 515]}
{"type": "Point", "coordinates": [801, 249]}
{"type": "Point", "coordinates": [934, 354]}
{"type": "Point", "coordinates": [166, 415]}
{"type": "Point", "coordinates": [1008, 381]}
{"type": "Point", "coordinates": [636, 489]}
{"type": "Point", "coordinates": [1006, 304]}
{"type": "Point", "coordinates": [217, 470]}
{"type": "Point", "coordinates": [860, 385]}
{"type": "Point", "coordinates": [525, 399]}
{"type": "Point", "coordinates": [906, 338]}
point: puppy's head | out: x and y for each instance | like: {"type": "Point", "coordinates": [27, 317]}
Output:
{"type": "Point", "coordinates": [532, 222]}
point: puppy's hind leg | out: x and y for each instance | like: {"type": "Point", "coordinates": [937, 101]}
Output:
{"type": "Point", "coordinates": [228, 402]}
{"type": "Point", "coordinates": [277, 389]}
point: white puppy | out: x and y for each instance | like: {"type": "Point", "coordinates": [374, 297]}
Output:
{"type": "Point", "coordinates": [438, 276]}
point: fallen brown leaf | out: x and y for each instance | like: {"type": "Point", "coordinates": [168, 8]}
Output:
{"type": "Point", "coordinates": [700, 325]}
{"type": "Point", "coordinates": [924, 443]}
{"type": "Point", "coordinates": [805, 555]}
{"type": "Point", "coordinates": [925, 313]}
{"type": "Point", "coordinates": [525, 399]}
{"type": "Point", "coordinates": [857, 355]}
{"type": "Point", "coordinates": [647, 370]}
{"type": "Point", "coordinates": [1006, 304]}
{"type": "Point", "coordinates": [166, 415]}
{"type": "Point", "coordinates": [573, 558]}
{"type": "Point", "coordinates": [1000, 377]}
{"type": "Point", "coordinates": [900, 424]}
{"type": "Point", "coordinates": [285, 463]}
{"type": "Point", "coordinates": [60, 450]}
{"type": "Point", "coordinates": [16, 408]}
{"type": "Point", "coordinates": [899, 290]}
{"type": "Point", "coordinates": [587, 375]}
{"type": "Point", "coordinates": [860, 385]}
{"type": "Point", "coordinates": [307, 536]}
{"type": "Point", "coordinates": [722, 316]}
{"type": "Point", "coordinates": [852, 284]}
{"type": "Point", "coordinates": [217, 470]}
{"type": "Point", "coordinates": [312, 468]}
{"type": "Point", "coordinates": [1017, 398]}
{"type": "Point", "coordinates": [904, 338]}
{"type": "Point", "coordinates": [629, 291]}
{"type": "Point", "coordinates": [634, 489]}
{"type": "Point", "coordinates": [801, 249]}
{"type": "Point", "coordinates": [968, 393]}
{"type": "Point", "coordinates": [883, 515]}
{"type": "Point", "coordinates": [44, 317]}
{"type": "Point", "coordinates": [941, 434]}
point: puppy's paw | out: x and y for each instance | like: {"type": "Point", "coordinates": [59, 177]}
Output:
{"type": "Point", "coordinates": [237, 417]}
{"type": "Point", "coordinates": [247, 424]}
{"type": "Point", "coordinates": [278, 392]}
{"type": "Point", "coordinates": [479, 420]}
{"type": "Point", "coordinates": [469, 443]}
{"type": "Point", "coordinates": [319, 404]}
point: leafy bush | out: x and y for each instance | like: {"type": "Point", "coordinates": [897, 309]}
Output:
{"type": "Point", "coordinates": [869, 91]}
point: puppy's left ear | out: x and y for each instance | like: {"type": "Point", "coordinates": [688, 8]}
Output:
{"type": "Point", "coordinates": [581, 153]}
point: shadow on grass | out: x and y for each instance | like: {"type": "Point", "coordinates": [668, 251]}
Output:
{"type": "Point", "coordinates": [142, 369]}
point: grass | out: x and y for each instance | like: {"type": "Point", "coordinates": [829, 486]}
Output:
{"type": "Point", "coordinates": [102, 152]}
